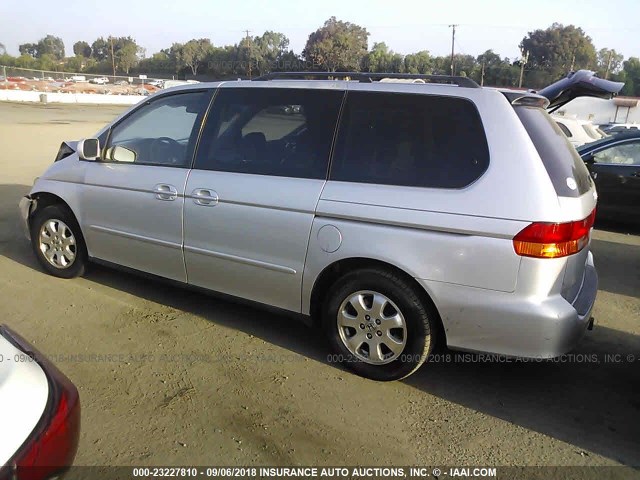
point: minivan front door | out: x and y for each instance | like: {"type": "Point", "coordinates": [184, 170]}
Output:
{"type": "Point", "coordinates": [251, 197]}
{"type": "Point", "coordinates": [132, 199]}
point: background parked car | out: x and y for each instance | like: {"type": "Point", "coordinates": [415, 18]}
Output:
{"type": "Point", "coordinates": [99, 80]}
{"type": "Point", "coordinates": [614, 128]}
{"type": "Point", "coordinates": [614, 163]}
{"type": "Point", "coordinates": [578, 131]}
{"type": "Point", "coordinates": [40, 414]}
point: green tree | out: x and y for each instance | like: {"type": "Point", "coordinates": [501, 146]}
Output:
{"type": "Point", "coordinates": [465, 65]}
{"type": "Point", "coordinates": [126, 52]}
{"type": "Point", "coordinates": [419, 62]}
{"type": "Point", "coordinates": [441, 65]}
{"type": "Point", "coordinates": [75, 64]}
{"type": "Point", "coordinates": [30, 49]}
{"type": "Point", "coordinates": [337, 45]}
{"type": "Point", "coordinates": [608, 62]}
{"type": "Point", "coordinates": [51, 45]}
{"type": "Point", "coordinates": [381, 59]}
{"type": "Point", "coordinates": [82, 49]}
{"type": "Point", "coordinates": [160, 62]}
{"type": "Point", "coordinates": [630, 75]}
{"type": "Point", "coordinates": [498, 72]}
{"type": "Point", "coordinates": [25, 61]}
{"type": "Point", "coordinates": [100, 49]}
{"type": "Point", "coordinates": [192, 54]}
{"type": "Point", "coordinates": [268, 51]}
{"type": "Point", "coordinates": [557, 50]}
{"type": "Point", "coordinates": [47, 62]}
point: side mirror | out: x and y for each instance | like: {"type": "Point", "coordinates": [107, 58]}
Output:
{"type": "Point", "coordinates": [89, 149]}
{"type": "Point", "coordinates": [118, 153]}
{"type": "Point", "coordinates": [589, 159]}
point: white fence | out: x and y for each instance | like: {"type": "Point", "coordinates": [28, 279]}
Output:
{"type": "Point", "coordinates": [32, 74]}
{"type": "Point", "coordinates": [599, 111]}
{"type": "Point", "coordinates": [84, 98]}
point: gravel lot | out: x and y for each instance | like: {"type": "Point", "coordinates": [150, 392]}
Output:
{"type": "Point", "coordinates": [230, 384]}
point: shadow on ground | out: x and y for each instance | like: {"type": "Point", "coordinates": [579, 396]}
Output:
{"type": "Point", "coordinates": [590, 400]}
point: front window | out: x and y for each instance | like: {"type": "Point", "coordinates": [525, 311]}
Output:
{"type": "Point", "coordinates": [160, 133]}
{"type": "Point", "coordinates": [627, 154]}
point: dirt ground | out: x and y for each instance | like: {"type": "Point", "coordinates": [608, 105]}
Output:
{"type": "Point", "coordinates": [182, 378]}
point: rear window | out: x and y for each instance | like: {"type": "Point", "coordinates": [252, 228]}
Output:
{"type": "Point", "coordinates": [410, 140]}
{"type": "Point", "coordinates": [565, 130]}
{"type": "Point", "coordinates": [566, 169]}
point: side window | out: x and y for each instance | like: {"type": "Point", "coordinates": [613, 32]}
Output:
{"type": "Point", "coordinates": [564, 129]}
{"type": "Point", "coordinates": [270, 131]}
{"type": "Point", "coordinates": [160, 133]}
{"type": "Point", "coordinates": [410, 140]}
{"type": "Point", "coordinates": [627, 154]}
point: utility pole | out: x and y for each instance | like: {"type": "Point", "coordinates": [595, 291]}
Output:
{"type": "Point", "coordinates": [606, 74]}
{"type": "Point", "coordinates": [523, 61]}
{"type": "Point", "coordinates": [453, 39]}
{"type": "Point", "coordinates": [113, 60]}
{"type": "Point", "coordinates": [249, 48]}
{"type": "Point", "coordinates": [482, 74]}
{"type": "Point", "coordinates": [573, 62]}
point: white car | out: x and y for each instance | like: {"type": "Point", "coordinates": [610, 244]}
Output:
{"type": "Point", "coordinates": [578, 131]}
{"type": "Point", "coordinates": [99, 80]}
{"type": "Point", "coordinates": [39, 413]}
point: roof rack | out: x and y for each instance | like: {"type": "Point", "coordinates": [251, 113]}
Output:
{"type": "Point", "coordinates": [366, 77]}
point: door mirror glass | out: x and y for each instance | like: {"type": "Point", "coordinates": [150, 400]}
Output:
{"type": "Point", "coordinates": [119, 153]}
{"type": "Point", "coordinates": [89, 149]}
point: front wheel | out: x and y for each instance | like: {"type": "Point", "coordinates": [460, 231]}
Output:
{"type": "Point", "coordinates": [57, 242]}
{"type": "Point", "coordinates": [378, 324]}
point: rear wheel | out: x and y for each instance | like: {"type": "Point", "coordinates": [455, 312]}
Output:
{"type": "Point", "coordinates": [57, 242]}
{"type": "Point", "coordinates": [378, 325]}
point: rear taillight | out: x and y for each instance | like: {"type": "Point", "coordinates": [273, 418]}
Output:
{"type": "Point", "coordinates": [52, 445]}
{"type": "Point", "coordinates": [553, 240]}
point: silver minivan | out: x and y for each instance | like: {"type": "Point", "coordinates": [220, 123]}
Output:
{"type": "Point", "coordinates": [393, 213]}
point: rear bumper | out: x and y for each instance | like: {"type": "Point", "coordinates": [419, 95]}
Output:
{"type": "Point", "coordinates": [511, 324]}
{"type": "Point", "coordinates": [25, 211]}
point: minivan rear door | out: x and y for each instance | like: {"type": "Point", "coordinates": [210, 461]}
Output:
{"type": "Point", "coordinates": [252, 195]}
{"type": "Point", "coordinates": [570, 178]}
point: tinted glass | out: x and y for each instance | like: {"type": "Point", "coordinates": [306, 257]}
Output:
{"type": "Point", "coordinates": [560, 159]}
{"type": "Point", "coordinates": [565, 130]}
{"type": "Point", "coordinates": [268, 131]}
{"type": "Point", "coordinates": [160, 133]}
{"type": "Point", "coordinates": [410, 140]}
{"type": "Point", "coordinates": [626, 154]}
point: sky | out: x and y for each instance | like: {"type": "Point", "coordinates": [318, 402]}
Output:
{"type": "Point", "coordinates": [406, 26]}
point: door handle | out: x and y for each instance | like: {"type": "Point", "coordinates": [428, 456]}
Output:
{"type": "Point", "coordinates": [635, 174]}
{"type": "Point", "coordinates": [165, 192]}
{"type": "Point", "coordinates": [205, 197]}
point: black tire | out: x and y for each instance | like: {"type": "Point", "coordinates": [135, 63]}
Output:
{"type": "Point", "coordinates": [77, 266]}
{"type": "Point", "coordinates": [420, 319]}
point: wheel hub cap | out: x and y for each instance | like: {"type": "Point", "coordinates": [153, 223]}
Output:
{"type": "Point", "coordinates": [57, 243]}
{"type": "Point", "coordinates": [372, 327]}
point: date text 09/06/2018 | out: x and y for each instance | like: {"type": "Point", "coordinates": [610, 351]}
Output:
{"type": "Point", "coordinates": [314, 472]}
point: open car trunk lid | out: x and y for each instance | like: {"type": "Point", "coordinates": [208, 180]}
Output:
{"type": "Point", "coordinates": [582, 83]}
